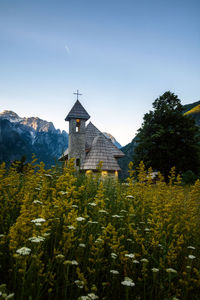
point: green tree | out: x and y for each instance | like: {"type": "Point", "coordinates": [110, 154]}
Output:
{"type": "Point", "coordinates": [167, 138]}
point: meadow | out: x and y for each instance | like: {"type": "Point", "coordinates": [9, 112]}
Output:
{"type": "Point", "coordinates": [66, 236]}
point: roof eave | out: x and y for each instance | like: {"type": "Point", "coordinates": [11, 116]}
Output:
{"type": "Point", "coordinates": [76, 117]}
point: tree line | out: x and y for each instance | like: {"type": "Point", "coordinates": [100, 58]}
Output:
{"type": "Point", "coordinates": [169, 138]}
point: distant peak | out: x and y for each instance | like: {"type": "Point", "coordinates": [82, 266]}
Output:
{"type": "Point", "coordinates": [115, 142]}
{"type": "Point", "coordinates": [9, 113]}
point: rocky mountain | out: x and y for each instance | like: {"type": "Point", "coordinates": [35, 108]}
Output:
{"type": "Point", "coordinates": [192, 109]}
{"type": "Point", "coordinates": [25, 136]}
{"type": "Point", "coordinates": [109, 136]}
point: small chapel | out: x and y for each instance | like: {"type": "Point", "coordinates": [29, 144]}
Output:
{"type": "Point", "coordinates": [89, 146]}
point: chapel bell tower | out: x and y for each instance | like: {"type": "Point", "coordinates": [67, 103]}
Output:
{"type": "Point", "coordinates": [77, 136]}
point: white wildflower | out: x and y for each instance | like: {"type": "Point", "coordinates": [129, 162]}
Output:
{"type": "Point", "coordinates": [129, 240]}
{"type": "Point", "coordinates": [155, 270]}
{"type": "Point", "coordinates": [92, 204]}
{"type": "Point", "coordinates": [129, 196]}
{"type": "Point", "coordinates": [36, 239]}
{"type": "Point", "coordinates": [103, 211]}
{"type": "Point", "coordinates": [60, 256]}
{"type": "Point", "coordinates": [38, 224]}
{"type": "Point", "coordinates": [1, 235]}
{"type": "Point", "coordinates": [39, 220]}
{"type": "Point", "coordinates": [46, 234]}
{"type": "Point", "coordinates": [74, 262]}
{"type": "Point", "coordinates": [116, 216]}
{"type": "Point", "coordinates": [48, 175]}
{"type": "Point", "coordinates": [135, 261]}
{"type": "Point", "coordinates": [114, 255]}
{"type": "Point", "coordinates": [37, 202]}
{"type": "Point", "coordinates": [82, 245]}
{"type": "Point", "coordinates": [71, 227]}
{"type": "Point", "coordinates": [171, 270]}
{"type": "Point", "coordinates": [191, 256]}
{"type": "Point", "coordinates": [93, 222]}
{"type": "Point", "coordinates": [144, 260]}
{"type": "Point", "coordinates": [80, 219]}
{"type": "Point", "coordinates": [23, 251]}
{"type": "Point", "coordinates": [79, 283]}
{"type": "Point", "coordinates": [128, 282]}
{"type": "Point", "coordinates": [92, 296]}
{"type": "Point", "coordinates": [130, 255]}
{"type": "Point", "coordinates": [63, 193]}
{"type": "Point", "coordinates": [114, 272]}
{"type": "Point", "coordinates": [74, 206]}
{"type": "Point", "coordinates": [99, 240]}
{"type": "Point", "coordinates": [191, 247]}
{"type": "Point", "coordinates": [147, 229]}
{"type": "Point", "coordinates": [188, 267]}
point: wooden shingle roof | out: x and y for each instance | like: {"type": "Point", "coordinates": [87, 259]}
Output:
{"type": "Point", "coordinates": [64, 156]}
{"type": "Point", "coordinates": [100, 152]}
{"type": "Point", "coordinates": [77, 112]}
{"type": "Point", "coordinates": [92, 132]}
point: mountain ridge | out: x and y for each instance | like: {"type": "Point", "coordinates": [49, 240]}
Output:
{"type": "Point", "coordinates": [25, 136]}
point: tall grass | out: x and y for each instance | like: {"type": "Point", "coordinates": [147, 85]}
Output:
{"type": "Point", "coordinates": [64, 236]}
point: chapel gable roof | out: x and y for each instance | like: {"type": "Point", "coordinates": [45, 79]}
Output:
{"type": "Point", "coordinates": [100, 152]}
{"type": "Point", "coordinates": [77, 112]}
{"type": "Point", "coordinates": [92, 132]}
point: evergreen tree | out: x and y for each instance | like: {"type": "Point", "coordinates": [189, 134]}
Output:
{"type": "Point", "coordinates": [167, 138]}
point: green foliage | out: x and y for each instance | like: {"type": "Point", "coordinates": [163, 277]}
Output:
{"type": "Point", "coordinates": [167, 138]}
{"type": "Point", "coordinates": [189, 177]}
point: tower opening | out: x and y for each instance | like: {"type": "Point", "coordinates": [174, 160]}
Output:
{"type": "Point", "coordinates": [77, 125]}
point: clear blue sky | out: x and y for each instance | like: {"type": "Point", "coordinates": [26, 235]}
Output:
{"type": "Point", "coordinates": [120, 54]}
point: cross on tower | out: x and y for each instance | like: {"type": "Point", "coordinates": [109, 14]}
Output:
{"type": "Point", "coordinates": [77, 93]}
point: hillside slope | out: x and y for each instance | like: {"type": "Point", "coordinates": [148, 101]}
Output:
{"type": "Point", "coordinates": [193, 110]}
